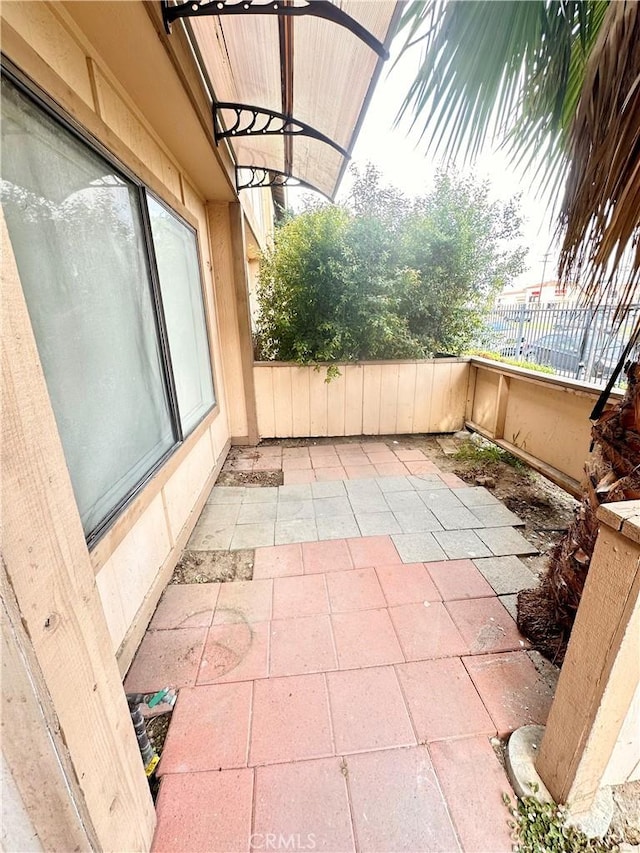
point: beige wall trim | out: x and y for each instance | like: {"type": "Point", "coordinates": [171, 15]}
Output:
{"type": "Point", "coordinates": [122, 525]}
{"type": "Point", "coordinates": [573, 386]}
{"type": "Point", "coordinates": [241, 280]}
{"type": "Point", "coordinates": [137, 629]}
{"type": "Point", "coordinates": [569, 484]}
{"type": "Point", "coordinates": [601, 671]}
{"type": "Point", "coordinates": [48, 566]}
{"type": "Point", "coordinates": [32, 746]}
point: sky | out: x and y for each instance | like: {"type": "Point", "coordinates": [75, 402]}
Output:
{"type": "Point", "coordinates": [398, 154]}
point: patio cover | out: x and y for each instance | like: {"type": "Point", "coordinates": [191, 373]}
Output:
{"type": "Point", "coordinates": [291, 81]}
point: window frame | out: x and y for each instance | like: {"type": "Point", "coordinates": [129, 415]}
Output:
{"type": "Point", "coordinates": [32, 91]}
{"type": "Point", "coordinates": [152, 254]}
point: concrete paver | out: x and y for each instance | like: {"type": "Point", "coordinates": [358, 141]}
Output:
{"type": "Point", "coordinates": [507, 575]}
{"type": "Point", "coordinates": [307, 695]}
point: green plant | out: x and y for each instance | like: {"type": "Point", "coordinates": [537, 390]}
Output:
{"type": "Point", "coordinates": [487, 453]}
{"type": "Point", "coordinates": [384, 277]}
{"type": "Point", "coordinates": [542, 828]}
{"type": "Point", "coordinates": [516, 362]}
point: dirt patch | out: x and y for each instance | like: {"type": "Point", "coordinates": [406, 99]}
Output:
{"type": "Point", "coordinates": [213, 566]}
{"type": "Point", "coordinates": [250, 478]}
{"type": "Point", "coordinates": [157, 728]}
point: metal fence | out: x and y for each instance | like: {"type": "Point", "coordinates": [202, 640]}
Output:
{"type": "Point", "coordinates": [582, 343]}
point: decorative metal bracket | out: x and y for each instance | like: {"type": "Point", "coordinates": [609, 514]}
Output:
{"type": "Point", "coordinates": [263, 177]}
{"type": "Point", "coordinates": [256, 121]}
{"type": "Point", "coordinates": [318, 8]}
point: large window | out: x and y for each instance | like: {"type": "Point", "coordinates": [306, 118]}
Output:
{"type": "Point", "coordinates": [177, 259]}
{"type": "Point", "coordinates": [122, 396]}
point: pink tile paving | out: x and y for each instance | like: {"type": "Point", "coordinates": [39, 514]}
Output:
{"type": "Point", "coordinates": [453, 482]}
{"type": "Point", "coordinates": [277, 561]}
{"type": "Point", "coordinates": [397, 804]}
{"type": "Point", "coordinates": [204, 812]}
{"type": "Point", "coordinates": [269, 463]}
{"type": "Point", "coordinates": [269, 450]}
{"type": "Point", "coordinates": [459, 579]}
{"type": "Point", "coordinates": [355, 590]}
{"type": "Point", "coordinates": [186, 606]}
{"type": "Point", "coordinates": [442, 700]}
{"type": "Point", "coordinates": [237, 651]}
{"type": "Point", "coordinates": [422, 467]}
{"type": "Point", "coordinates": [391, 469]}
{"type": "Point", "coordinates": [294, 478]}
{"type": "Point", "coordinates": [296, 463]}
{"type": "Point", "coordinates": [353, 457]}
{"type": "Point", "coordinates": [473, 783]}
{"type": "Point", "coordinates": [370, 551]}
{"type": "Point", "coordinates": [316, 686]}
{"type": "Point", "coordinates": [374, 447]}
{"type": "Point", "coordinates": [410, 455]}
{"type": "Point", "coordinates": [306, 801]}
{"type": "Point", "coordinates": [330, 460]}
{"type": "Point", "coordinates": [486, 625]}
{"type": "Point", "coordinates": [380, 456]}
{"type": "Point", "coordinates": [244, 601]}
{"type": "Point", "coordinates": [209, 729]}
{"type": "Point", "coordinates": [407, 584]}
{"type": "Point", "coordinates": [302, 645]}
{"type": "Point", "coordinates": [427, 631]}
{"type": "Point", "coordinates": [290, 720]}
{"type": "Point", "coordinates": [361, 721]}
{"type": "Point", "coordinates": [360, 472]}
{"type": "Point", "coordinates": [330, 473]}
{"type": "Point", "coordinates": [305, 595]}
{"type": "Point", "coordinates": [365, 638]}
{"type": "Point", "coordinates": [295, 452]}
{"type": "Point", "coordinates": [512, 690]}
{"type": "Point", "coordinates": [331, 556]}
{"type": "Point", "coordinates": [166, 658]}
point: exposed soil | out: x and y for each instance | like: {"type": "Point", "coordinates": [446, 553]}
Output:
{"type": "Point", "coordinates": [213, 566]}
{"type": "Point", "coordinates": [249, 478]}
{"type": "Point", "coordinates": [157, 728]}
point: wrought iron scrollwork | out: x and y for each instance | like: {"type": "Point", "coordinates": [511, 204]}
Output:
{"type": "Point", "coordinates": [260, 177]}
{"type": "Point", "coordinates": [255, 121]}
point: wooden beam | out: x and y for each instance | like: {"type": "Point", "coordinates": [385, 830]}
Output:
{"type": "Point", "coordinates": [502, 401]}
{"type": "Point", "coordinates": [51, 576]}
{"type": "Point", "coordinates": [241, 281]}
{"type": "Point", "coordinates": [32, 747]}
{"type": "Point", "coordinates": [600, 673]}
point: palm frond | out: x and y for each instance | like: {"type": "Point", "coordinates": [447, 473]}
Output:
{"type": "Point", "coordinates": [503, 69]}
{"type": "Point", "coordinates": [600, 213]}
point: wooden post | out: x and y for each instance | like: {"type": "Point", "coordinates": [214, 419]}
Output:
{"type": "Point", "coordinates": [601, 670]}
{"type": "Point", "coordinates": [502, 400]}
{"type": "Point", "coordinates": [50, 578]}
{"type": "Point", "coordinates": [228, 253]}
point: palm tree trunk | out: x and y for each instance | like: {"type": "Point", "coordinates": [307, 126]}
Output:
{"type": "Point", "coordinates": [546, 613]}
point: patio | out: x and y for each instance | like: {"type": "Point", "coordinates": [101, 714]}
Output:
{"type": "Point", "coordinates": [344, 699]}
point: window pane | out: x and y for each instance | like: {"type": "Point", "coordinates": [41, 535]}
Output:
{"type": "Point", "coordinates": [75, 227]}
{"type": "Point", "coordinates": [179, 271]}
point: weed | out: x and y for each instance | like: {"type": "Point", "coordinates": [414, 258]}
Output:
{"type": "Point", "coordinates": [542, 828]}
{"type": "Point", "coordinates": [516, 362]}
{"type": "Point", "coordinates": [488, 453]}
